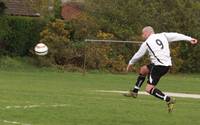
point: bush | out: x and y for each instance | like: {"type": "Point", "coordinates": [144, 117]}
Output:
{"type": "Point", "coordinates": [97, 55]}
{"type": "Point", "coordinates": [125, 20]}
{"type": "Point", "coordinates": [118, 64]}
{"type": "Point", "coordinates": [83, 27]}
{"type": "Point", "coordinates": [56, 37]}
{"type": "Point", "coordinates": [2, 7]}
{"type": "Point", "coordinates": [19, 34]}
{"type": "Point", "coordinates": [191, 57]}
{"type": "Point", "coordinates": [177, 61]}
{"type": "Point", "coordinates": [57, 9]}
{"type": "Point", "coordinates": [16, 63]}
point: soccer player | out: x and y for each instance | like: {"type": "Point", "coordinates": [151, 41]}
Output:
{"type": "Point", "coordinates": [157, 46]}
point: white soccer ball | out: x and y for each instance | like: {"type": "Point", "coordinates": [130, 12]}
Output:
{"type": "Point", "coordinates": [41, 49]}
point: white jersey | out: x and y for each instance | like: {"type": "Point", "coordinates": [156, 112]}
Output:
{"type": "Point", "coordinates": [157, 46]}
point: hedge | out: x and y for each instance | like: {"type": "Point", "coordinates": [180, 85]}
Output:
{"type": "Point", "coordinates": [19, 34]}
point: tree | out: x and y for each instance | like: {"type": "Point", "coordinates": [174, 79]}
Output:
{"type": "Point", "coordinates": [2, 7]}
{"type": "Point", "coordinates": [44, 7]}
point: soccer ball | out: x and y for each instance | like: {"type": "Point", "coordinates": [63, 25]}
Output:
{"type": "Point", "coordinates": [41, 49]}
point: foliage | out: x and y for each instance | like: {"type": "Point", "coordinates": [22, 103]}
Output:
{"type": "Point", "coordinates": [97, 55]}
{"type": "Point", "coordinates": [44, 7]}
{"type": "Point", "coordinates": [57, 9]}
{"type": "Point", "coordinates": [19, 34]}
{"type": "Point", "coordinates": [63, 53]}
{"type": "Point", "coordinates": [56, 38]}
{"type": "Point", "coordinates": [177, 61]}
{"type": "Point", "coordinates": [125, 20]}
{"type": "Point", "coordinates": [118, 64]}
{"type": "Point", "coordinates": [104, 55]}
{"type": "Point", "coordinates": [83, 27]}
{"type": "Point", "coordinates": [2, 7]}
{"type": "Point", "coordinates": [103, 19]}
{"type": "Point", "coordinates": [191, 59]}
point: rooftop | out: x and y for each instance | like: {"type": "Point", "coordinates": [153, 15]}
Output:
{"type": "Point", "coordinates": [20, 8]}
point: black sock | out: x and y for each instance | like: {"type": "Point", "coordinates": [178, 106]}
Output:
{"type": "Point", "coordinates": [139, 83]}
{"type": "Point", "coordinates": [157, 93]}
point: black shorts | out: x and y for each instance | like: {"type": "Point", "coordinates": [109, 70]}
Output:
{"type": "Point", "coordinates": [156, 72]}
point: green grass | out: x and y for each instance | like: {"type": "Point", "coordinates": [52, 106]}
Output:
{"type": "Point", "coordinates": [84, 106]}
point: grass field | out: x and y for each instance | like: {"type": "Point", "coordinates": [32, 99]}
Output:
{"type": "Point", "coordinates": [53, 98]}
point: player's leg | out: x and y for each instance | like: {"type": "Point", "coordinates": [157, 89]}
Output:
{"type": "Point", "coordinates": [156, 73]}
{"type": "Point", "coordinates": [151, 89]}
{"type": "Point", "coordinates": [144, 71]}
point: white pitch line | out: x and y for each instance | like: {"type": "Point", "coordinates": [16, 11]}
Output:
{"type": "Point", "coordinates": [29, 107]}
{"type": "Point", "coordinates": [14, 122]}
{"type": "Point", "coordinates": [35, 106]}
{"type": "Point", "coordinates": [182, 95]}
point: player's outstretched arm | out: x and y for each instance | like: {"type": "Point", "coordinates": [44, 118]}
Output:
{"type": "Point", "coordinates": [172, 37]}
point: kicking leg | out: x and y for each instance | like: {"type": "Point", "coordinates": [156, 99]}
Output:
{"type": "Point", "coordinates": [159, 94]}
{"type": "Point", "coordinates": [154, 76]}
{"type": "Point", "coordinates": [156, 92]}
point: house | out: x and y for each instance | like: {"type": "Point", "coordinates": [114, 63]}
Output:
{"type": "Point", "coordinates": [20, 8]}
{"type": "Point", "coordinates": [65, 1]}
{"type": "Point", "coordinates": [71, 9]}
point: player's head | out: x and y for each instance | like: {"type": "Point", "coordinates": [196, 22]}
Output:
{"type": "Point", "coordinates": [147, 31]}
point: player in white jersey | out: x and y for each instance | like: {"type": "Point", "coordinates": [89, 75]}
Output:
{"type": "Point", "coordinates": [157, 46]}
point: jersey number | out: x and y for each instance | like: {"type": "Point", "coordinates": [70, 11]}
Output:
{"type": "Point", "coordinates": [159, 42]}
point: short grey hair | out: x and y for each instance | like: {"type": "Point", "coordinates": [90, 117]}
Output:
{"type": "Point", "coordinates": [148, 29]}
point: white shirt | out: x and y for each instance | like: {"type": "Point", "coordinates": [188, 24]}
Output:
{"type": "Point", "coordinates": [157, 46]}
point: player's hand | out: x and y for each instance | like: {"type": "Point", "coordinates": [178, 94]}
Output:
{"type": "Point", "coordinates": [129, 67]}
{"type": "Point", "coordinates": [194, 41]}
